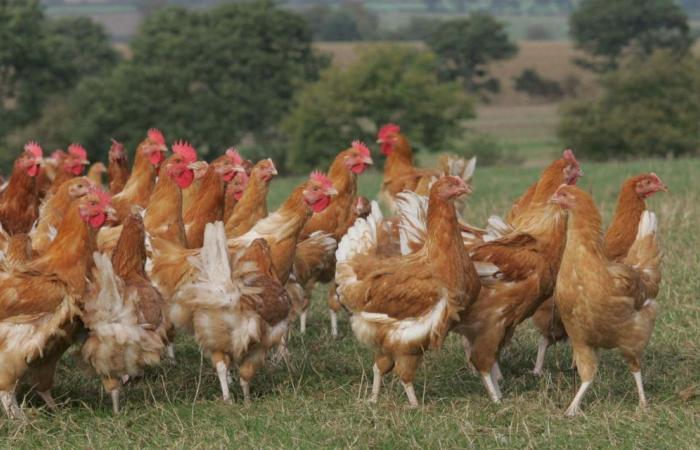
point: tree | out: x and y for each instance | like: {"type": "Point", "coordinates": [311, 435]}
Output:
{"type": "Point", "coordinates": [26, 70]}
{"type": "Point", "coordinates": [80, 48]}
{"type": "Point", "coordinates": [212, 77]}
{"type": "Point", "coordinates": [349, 22]}
{"type": "Point", "coordinates": [466, 46]}
{"type": "Point", "coordinates": [41, 58]}
{"type": "Point", "coordinates": [386, 84]}
{"type": "Point", "coordinates": [606, 30]}
{"type": "Point", "coordinates": [650, 107]}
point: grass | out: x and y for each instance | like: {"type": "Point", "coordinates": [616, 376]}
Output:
{"type": "Point", "coordinates": [320, 399]}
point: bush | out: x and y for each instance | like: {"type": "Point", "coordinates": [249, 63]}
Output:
{"type": "Point", "coordinates": [532, 83]}
{"type": "Point", "coordinates": [387, 84]}
{"type": "Point", "coordinates": [650, 107]}
{"type": "Point", "coordinates": [349, 22]}
{"type": "Point", "coordinates": [487, 149]}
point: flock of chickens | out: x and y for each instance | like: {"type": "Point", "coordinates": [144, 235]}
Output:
{"type": "Point", "coordinates": [181, 245]}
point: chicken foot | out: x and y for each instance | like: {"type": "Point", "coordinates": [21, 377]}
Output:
{"type": "Point", "coordinates": [9, 403]}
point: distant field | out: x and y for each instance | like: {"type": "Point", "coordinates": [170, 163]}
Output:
{"type": "Point", "coordinates": [320, 400]}
{"type": "Point", "coordinates": [552, 59]}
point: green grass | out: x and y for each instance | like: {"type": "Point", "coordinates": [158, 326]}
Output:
{"type": "Point", "coordinates": [320, 400]}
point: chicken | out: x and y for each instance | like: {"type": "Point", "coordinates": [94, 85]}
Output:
{"type": "Point", "coordinates": [163, 217]}
{"type": "Point", "coordinates": [252, 206]}
{"type": "Point", "coordinates": [137, 191]}
{"type": "Point", "coordinates": [400, 174]}
{"type": "Point", "coordinates": [95, 173]}
{"type": "Point", "coordinates": [406, 304]}
{"type": "Point", "coordinates": [605, 304]}
{"type": "Point", "coordinates": [315, 258]}
{"type": "Point", "coordinates": [236, 316]}
{"type": "Point", "coordinates": [208, 206]}
{"type": "Point", "coordinates": [173, 269]}
{"type": "Point", "coordinates": [117, 170]}
{"type": "Point", "coordinates": [49, 169]}
{"type": "Point", "coordinates": [234, 193]}
{"type": "Point", "coordinates": [190, 195]}
{"type": "Point", "coordinates": [125, 314]}
{"type": "Point", "coordinates": [73, 165]}
{"type": "Point", "coordinates": [617, 242]}
{"type": "Point", "coordinates": [19, 204]}
{"type": "Point", "coordinates": [52, 211]}
{"type": "Point", "coordinates": [39, 304]}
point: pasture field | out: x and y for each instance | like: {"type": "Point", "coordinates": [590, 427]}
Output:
{"type": "Point", "coordinates": [320, 399]}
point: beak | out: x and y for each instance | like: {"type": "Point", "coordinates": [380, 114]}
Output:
{"type": "Point", "coordinates": [85, 162]}
{"type": "Point", "coordinates": [111, 213]}
{"type": "Point", "coordinates": [331, 191]}
{"type": "Point", "coordinates": [197, 165]}
{"type": "Point", "coordinates": [380, 141]}
{"type": "Point", "coordinates": [273, 171]}
{"type": "Point", "coordinates": [368, 161]}
{"type": "Point", "coordinates": [163, 148]}
{"type": "Point", "coordinates": [662, 187]}
{"type": "Point", "coordinates": [238, 169]}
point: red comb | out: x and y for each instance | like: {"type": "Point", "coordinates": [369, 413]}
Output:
{"type": "Point", "coordinates": [234, 156]}
{"type": "Point", "coordinates": [569, 155]}
{"type": "Point", "coordinates": [322, 179]}
{"type": "Point", "coordinates": [361, 147]}
{"type": "Point", "coordinates": [33, 148]}
{"type": "Point", "coordinates": [156, 136]}
{"type": "Point", "coordinates": [388, 129]}
{"type": "Point", "coordinates": [185, 150]}
{"type": "Point", "coordinates": [77, 150]}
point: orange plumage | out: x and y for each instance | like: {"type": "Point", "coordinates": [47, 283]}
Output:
{"type": "Point", "coordinates": [252, 205]}
{"type": "Point", "coordinates": [404, 305]}
{"type": "Point", "coordinates": [117, 169]}
{"type": "Point", "coordinates": [19, 204]}
{"type": "Point", "coordinates": [619, 238]}
{"type": "Point", "coordinates": [39, 303]}
{"type": "Point", "coordinates": [605, 304]}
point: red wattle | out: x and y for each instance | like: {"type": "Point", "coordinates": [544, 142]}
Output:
{"type": "Point", "coordinates": [321, 204]}
{"type": "Point", "coordinates": [185, 179]}
{"type": "Point", "coordinates": [238, 195]}
{"type": "Point", "coordinates": [156, 158]}
{"type": "Point", "coordinates": [33, 170]}
{"type": "Point", "coordinates": [358, 168]}
{"type": "Point", "coordinates": [98, 220]}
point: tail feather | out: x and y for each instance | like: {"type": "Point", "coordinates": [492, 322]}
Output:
{"type": "Point", "coordinates": [645, 254]}
{"type": "Point", "coordinates": [361, 238]}
{"type": "Point", "coordinates": [412, 210]}
{"type": "Point", "coordinates": [456, 166]}
{"type": "Point", "coordinates": [497, 228]}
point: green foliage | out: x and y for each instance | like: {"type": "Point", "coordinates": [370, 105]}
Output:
{"type": "Point", "coordinates": [418, 29]}
{"type": "Point", "coordinates": [349, 22]}
{"type": "Point", "coordinates": [466, 46]}
{"type": "Point", "coordinates": [40, 59]}
{"type": "Point", "coordinates": [608, 29]}
{"type": "Point", "coordinates": [213, 76]}
{"type": "Point", "coordinates": [387, 84]}
{"type": "Point", "coordinates": [650, 108]}
{"type": "Point", "coordinates": [532, 83]}
{"type": "Point", "coordinates": [487, 149]}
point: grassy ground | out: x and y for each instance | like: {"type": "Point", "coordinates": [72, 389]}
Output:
{"type": "Point", "coordinates": [320, 399]}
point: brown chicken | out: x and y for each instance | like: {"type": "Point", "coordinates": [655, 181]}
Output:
{"type": "Point", "coordinates": [406, 304]}
{"type": "Point", "coordinates": [234, 193]}
{"type": "Point", "coordinates": [118, 167]}
{"type": "Point", "coordinates": [190, 195]}
{"type": "Point", "coordinates": [605, 304]}
{"type": "Point", "coordinates": [49, 168]}
{"type": "Point", "coordinates": [400, 174]}
{"type": "Point", "coordinates": [19, 204]}
{"type": "Point", "coordinates": [237, 316]}
{"type": "Point", "coordinates": [124, 314]}
{"type": "Point", "coordinates": [517, 271]}
{"type": "Point", "coordinates": [208, 207]}
{"type": "Point", "coordinates": [39, 305]}
{"type": "Point", "coordinates": [53, 209]}
{"type": "Point", "coordinates": [163, 217]}
{"type": "Point", "coordinates": [315, 258]}
{"type": "Point", "coordinates": [173, 269]}
{"type": "Point", "coordinates": [137, 191]}
{"type": "Point", "coordinates": [73, 165]}
{"type": "Point", "coordinates": [616, 244]}
{"type": "Point", "coordinates": [252, 206]}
